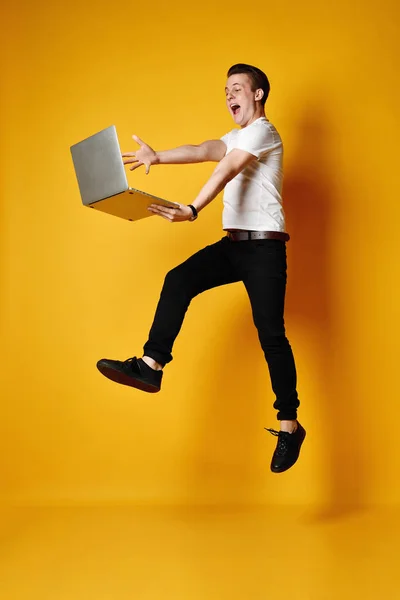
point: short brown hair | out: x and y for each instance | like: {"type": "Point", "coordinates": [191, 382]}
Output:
{"type": "Point", "coordinates": [258, 78]}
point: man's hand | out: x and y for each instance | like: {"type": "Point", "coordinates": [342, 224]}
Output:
{"type": "Point", "coordinates": [144, 156]}
{"type": "Point", "coordinates": [174, 215]}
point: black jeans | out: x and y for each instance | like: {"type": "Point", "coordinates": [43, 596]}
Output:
{"type": "Point", "coordinates": [261, 265]}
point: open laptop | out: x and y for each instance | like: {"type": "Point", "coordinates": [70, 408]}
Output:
{"type": "Point", "coordinates": [102, 179]}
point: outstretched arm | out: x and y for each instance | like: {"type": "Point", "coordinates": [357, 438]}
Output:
{"type": "Point", "coordinates": [225, 171]}
{"type": "Point", "coordinates": [211, 150]}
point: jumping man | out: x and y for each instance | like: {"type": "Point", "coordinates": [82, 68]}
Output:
{"type": "Point", "coordinates": [253, 251]}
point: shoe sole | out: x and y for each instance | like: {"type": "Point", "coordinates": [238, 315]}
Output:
{"type": "Point", "coordinates": [126, 380]}
{"type": "Point", "coordinates": [293, 463]}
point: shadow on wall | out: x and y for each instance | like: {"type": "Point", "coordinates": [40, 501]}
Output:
{"type": "Point", "coordinates": [310, 197]}
{"type": "Point", "coordinates": [230, 415]}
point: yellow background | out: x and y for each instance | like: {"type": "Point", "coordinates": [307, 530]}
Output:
{"type": "Point", "coordinates": [77, 285]}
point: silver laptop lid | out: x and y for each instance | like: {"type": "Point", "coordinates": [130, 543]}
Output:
{"type": "Point", "coordinates": [99, 167]}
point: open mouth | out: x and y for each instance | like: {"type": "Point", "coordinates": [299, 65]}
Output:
{"type": "Point", "coordinates": [235, 108]}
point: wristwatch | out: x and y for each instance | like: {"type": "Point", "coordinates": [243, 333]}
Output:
{"type": "Point", "coordinates": [194, 211]}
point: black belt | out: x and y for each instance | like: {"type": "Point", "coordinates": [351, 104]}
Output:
{"type": "Point", "coordinates": [242, 235]}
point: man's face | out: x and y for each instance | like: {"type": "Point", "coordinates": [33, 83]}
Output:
{"type": "Point", "coordinates": [240, 99]}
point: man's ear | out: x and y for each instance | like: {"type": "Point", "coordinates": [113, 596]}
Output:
{"type": "Point", "coordinates": [259, 94]}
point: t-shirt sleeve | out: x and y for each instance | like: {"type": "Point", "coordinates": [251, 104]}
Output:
{"type": "Point", "coordinates": [255, 140]}
{"type": "Point", "coordinates": [225, 138]}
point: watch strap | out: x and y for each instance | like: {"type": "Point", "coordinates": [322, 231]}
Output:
{"type": "Point", "coordinates": [194, 211]}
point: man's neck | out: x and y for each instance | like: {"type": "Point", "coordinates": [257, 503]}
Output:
{"type": "Point", "coordinates": [257, 115]}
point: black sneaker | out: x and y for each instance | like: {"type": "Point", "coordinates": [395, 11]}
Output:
{"type": "Point", "coordinates": [287, 448]}
{"type": "Point", "coordinates": [133, 372]}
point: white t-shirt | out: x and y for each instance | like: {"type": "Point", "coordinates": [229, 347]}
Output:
{"type": "Point", "coordinates": [252, 199]}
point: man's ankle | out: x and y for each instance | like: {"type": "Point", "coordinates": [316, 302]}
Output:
{"type": "Point", "coordinates": [153, 364]}
{"type": "Point", "coordinates": [289, 426]}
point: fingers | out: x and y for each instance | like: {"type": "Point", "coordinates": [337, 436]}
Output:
{"type": "Point", "coordinates": [160, 214]}
{"type": "Point", "coordinates": [166, 218]}
{"type": "Point", "coordinates": [132, 160]}
{"type": "Point", "coordinates": [137, 163]}
{"type": "Point", "coordinates": [138, 140]}
{"type": "Point", "coordinates": [162, 211]}
{"type": "Point", "coordinates": [173, 215]}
